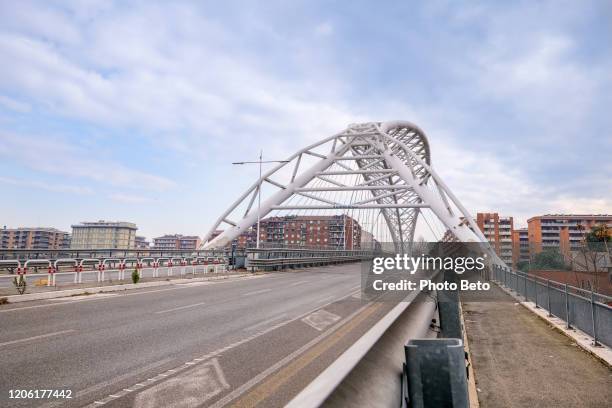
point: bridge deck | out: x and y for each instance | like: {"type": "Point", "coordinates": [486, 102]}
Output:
{"type": "Point", "coordinates": [521, 361]}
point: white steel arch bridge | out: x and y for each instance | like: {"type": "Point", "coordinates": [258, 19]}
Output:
{"type": "Point", "coordinates": [377, 173]}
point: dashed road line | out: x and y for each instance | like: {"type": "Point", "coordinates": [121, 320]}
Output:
{"type": "Point", "coordinates": [287, 359]}
{"type": "Point", "coordinates": [180, 308]}
{"type": "Point", "coordinates": [218, 353]}
{"type": "Point", "coordinates": [42, 336]}
{"type": "Point", "coordinates": [257, 292]}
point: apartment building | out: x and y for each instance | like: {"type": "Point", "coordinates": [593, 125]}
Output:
{"type": "Point", "coordinates": [33, 238]}
{"type": "Point", "coordinates": [520, 246]}
{"type": "Point", "coordinates": [564, 232]}
{"type": "Point", "coordinates": [336, 231]}
{"type": "Point", "coordinates": [498, 231]}
{"type": "Point", "coordinates": [104, 235]}
{"type": "Point", "coordinates": [177, 242]}
{"type": "Point", "coordinates": [141, 243]}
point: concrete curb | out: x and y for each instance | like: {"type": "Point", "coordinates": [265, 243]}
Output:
{"type": "Point", "coordinates": [113, 288]}
{"type": "Point", "coordinates": [582, 339]}
{"type": "Point", "coordinates": [472, 389]}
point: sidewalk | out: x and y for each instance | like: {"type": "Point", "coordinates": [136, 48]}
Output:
{"type": "Point", "coordinates": [100, 287]}
{"type": "Point", "coordinates": [521, 361]}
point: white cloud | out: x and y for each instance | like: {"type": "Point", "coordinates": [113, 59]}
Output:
{"type": "Point", "coordinates": [541, 81]}
{"type": "Point", "coordinates": [195, 86]}
{"type": "Point", "coordinates": [54, 187]}
{"type": "Point", "coordinates": [57, 157]}
{"type": "Point", "coordinates": [14, 105]}
{"type": "Point", "coordinates": [129, 198]}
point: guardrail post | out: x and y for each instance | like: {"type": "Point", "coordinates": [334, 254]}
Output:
{"type": "Point", "coordinates": [567, 315]}
{"type": "Point", "coordinates": [435, 373]}
{"type": "Point", "coordinates": [595, 343]}
{"type": "Point", "coordinates": [548, 296]}
{"type": "Point", "coordinates": [450, 316]}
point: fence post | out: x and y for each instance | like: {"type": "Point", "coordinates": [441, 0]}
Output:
{"type": "Point", "coordinates": [567, 315]}
{"type": "Point", "coordinates": [535, 289]}
{"type": "Point", "coordinates": [548, 296]}
{"type": "Point", "coordinates": [595, 343]}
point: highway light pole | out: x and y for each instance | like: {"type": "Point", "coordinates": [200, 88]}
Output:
{"type": "Point", "coordinates": [260, 162]}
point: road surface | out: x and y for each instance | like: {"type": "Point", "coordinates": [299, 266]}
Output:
{"type": "Point", "coordinates": [253, 341]}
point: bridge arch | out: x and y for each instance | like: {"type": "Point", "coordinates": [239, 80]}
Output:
{"type": "Point", "coordinates": [381, 167]}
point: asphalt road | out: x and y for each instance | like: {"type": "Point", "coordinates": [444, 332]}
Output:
{"type": "Point", "coordinates": [244, 342]}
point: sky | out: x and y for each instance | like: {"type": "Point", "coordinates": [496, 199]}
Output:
{"type": "Point", "coordinates": [135, 110]}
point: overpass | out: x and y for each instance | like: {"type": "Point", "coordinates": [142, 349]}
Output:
{"type": "Point", "coordinates": [304, 336]}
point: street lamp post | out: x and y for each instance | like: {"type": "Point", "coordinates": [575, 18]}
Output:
{"type": "Point", "coordinates": [260, 162]}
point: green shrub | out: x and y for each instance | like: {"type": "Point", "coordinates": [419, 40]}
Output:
{"type": "Point", "coordinates": [135, 276]}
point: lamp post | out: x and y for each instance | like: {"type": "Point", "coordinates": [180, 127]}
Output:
{"type": "Point", "coordinates": [260, 162]}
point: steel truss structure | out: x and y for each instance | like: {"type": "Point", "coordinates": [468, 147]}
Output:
{"type": "Point", "coordinates": [383, 167]}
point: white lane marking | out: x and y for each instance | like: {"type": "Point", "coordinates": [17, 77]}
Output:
{"type": "Point", "coordinates": [320, 319]}
{"type": "Point", "coordinates": [179, 286]}
{"type": "Point", "coordinates": [81, 298]}
{"type": "Point", "coordinates": [189, 389]}
{"type": "Point", "coordinates": [42, 336]}
{"type": "Point", "coordinates": [275, 367]}
{"type": "Point", "coordinates": [219, 353]}
{"type": "Point", "coordinates": [194, 283]}
{"type": "Point", "coordinates": [257, 292]}
{"type": "Point", "coordinates": [180, 308]}
{"type": "Point", "coordinates": [264, 322]}
{"type": "Point", "coordinates": [67, 301]}
{"type": "Point", "coordinates": [298, 283]}
{"type": "Point", "coordinates": [134, 373]}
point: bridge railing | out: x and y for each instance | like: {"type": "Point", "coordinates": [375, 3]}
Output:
{"type": "Point", "coordinates": [278, 258]}
{"type": "Point", "coordinates": [583, 309]}
{"type": "Point", "coordinates": [71, 271]}
{"type": "Point", "coordinates": [52, 254]}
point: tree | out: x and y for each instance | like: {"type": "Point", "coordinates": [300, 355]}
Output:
{"type": "Point", "coordinates": [522, 266]}
{"type": "Point", "coordinates": [548, 259]}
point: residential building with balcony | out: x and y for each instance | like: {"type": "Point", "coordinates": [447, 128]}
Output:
{"type": "Point", "coordinates": [104, 235]}
{"type": "Point", "coordinates": [141, 243]}
{"type": "Point", "coordinates": [564, 232]}
{"type": "Point", "coordinates": [336, 231]}
{"type": "Point", "coordinates": [520, 246]}
{"type": "Point", "coordinates": [33, 238]}
{"type": "Point", "coordinates": [177, 242]}
{"type": "Point", "coordinates": [498, 231]}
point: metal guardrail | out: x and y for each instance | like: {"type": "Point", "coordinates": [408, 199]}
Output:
{"type": "Point", "coordinates": [52, 254]}
{"type": "Point", "coordinates": [70, 271]}
{"type": "Point", "coordinates": [586, 310]}
{"type": "Point", "coordinates": [275, 258]}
